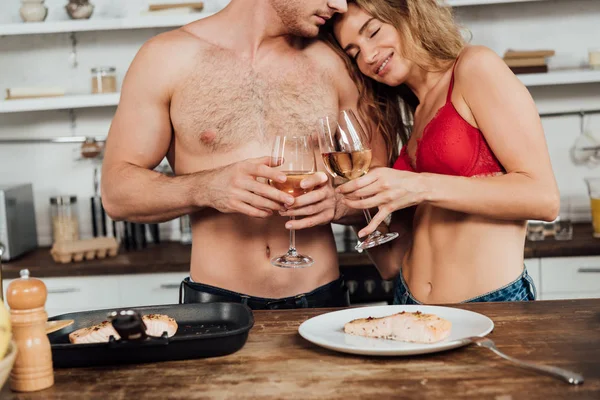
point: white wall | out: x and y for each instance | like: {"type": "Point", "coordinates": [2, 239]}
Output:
{"type": "Point", "coordinates": [568, 26]}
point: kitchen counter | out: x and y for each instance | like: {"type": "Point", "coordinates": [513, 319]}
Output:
{"type": "Point", "coordinates": [175, 257]}
{"type": "Point", "coordinates": [160, 258]}
{"type": "Point", "coordinates": [276, 363]}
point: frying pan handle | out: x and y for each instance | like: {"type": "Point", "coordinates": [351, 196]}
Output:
{"type": "Point", "coordinates": [131, 328]}
{"type": "Point", "coordinates": [128, 324]}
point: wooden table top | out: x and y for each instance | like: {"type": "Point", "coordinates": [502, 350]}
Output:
{"type": "Point", "coordinates": [276, 363]}
{"type": "Point", "coordinates": [175, 257]}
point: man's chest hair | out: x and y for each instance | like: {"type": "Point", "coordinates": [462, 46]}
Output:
{"type": "Point", "coordinates": [239, 103]}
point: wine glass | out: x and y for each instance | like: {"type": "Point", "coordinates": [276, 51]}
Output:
{"type": "Point", "coordinates": [295, 157]}
{"type": "Point", "coordinates": [347, 154]}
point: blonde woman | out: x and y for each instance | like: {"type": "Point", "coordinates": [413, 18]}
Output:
{"type": "Point", "coordinates": [475, 168]}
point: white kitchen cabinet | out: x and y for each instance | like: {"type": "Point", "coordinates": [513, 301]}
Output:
{"type": "Point", "coordinates": [554, 277]}
{"type": "Point", "coordinates": [150, 289]}
{"type": "Point", "coordinates": [570, 277]}
{"type": "Point", "coordinates": [71, 294]}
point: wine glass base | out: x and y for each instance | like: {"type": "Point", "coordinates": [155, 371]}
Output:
{"type": "Point", "coordinates": [375, 239]}
{"type": "Point", "coordinates": [292, 261]}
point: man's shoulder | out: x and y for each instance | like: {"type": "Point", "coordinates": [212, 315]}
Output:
{"type": "Point", "coordinates": [324, 54]}
{"type": "Point", "coordinates": [175, 43]}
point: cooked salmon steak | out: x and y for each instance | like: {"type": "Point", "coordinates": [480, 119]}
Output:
{"type": "Point", "coordinates": [156, 324]}
{"type": "Point", "coordinates": [405, 326]}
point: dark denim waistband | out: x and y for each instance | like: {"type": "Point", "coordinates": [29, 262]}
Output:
{"type": "Point", "coordinates": [332, 294]}
{"type": "Point", "coordinates": [521, 289]}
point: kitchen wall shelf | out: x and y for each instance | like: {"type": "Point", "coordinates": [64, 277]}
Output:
{"type": "Point", "coordinates": [557, 77]}
{"type": "Point", "coordinates": [163, 21]}
{"type": "Point", "coordinates": [561, 77]}
{"type": "Point", "coordinates": [60, 103]}
{"type": "Point", "coordinates": [459, 3]}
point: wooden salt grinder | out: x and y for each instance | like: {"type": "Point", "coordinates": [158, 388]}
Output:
{"type": "Point", "coordinates": [33, 367]}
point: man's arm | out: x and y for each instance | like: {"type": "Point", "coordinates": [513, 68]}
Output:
{"type": "Point", "coordinates": [140, 137]}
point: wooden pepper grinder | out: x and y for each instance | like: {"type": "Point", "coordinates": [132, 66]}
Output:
{"type": "Point", "coordinates": [33, 367]}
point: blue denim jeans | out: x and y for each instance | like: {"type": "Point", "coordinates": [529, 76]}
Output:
{"type": "Point", "coordinates": [521, 289]}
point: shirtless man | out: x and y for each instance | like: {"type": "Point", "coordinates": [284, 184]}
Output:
{"type": "Point", "coordinates": [210, 96]}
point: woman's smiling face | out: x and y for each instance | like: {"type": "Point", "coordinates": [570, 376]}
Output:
{"type": "Point", "coordinates": [374, 46]}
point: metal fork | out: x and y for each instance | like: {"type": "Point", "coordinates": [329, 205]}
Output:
{"type": "Point", "coordinates": [562, 374]}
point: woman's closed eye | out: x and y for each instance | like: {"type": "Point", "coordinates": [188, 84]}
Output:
{"type": "Point", "coordinates": [354, 55]}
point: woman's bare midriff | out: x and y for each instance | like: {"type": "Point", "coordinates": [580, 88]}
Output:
{"type": "Point", "coordinates": [456, 256]}
{"type": "Point", "coordinates": [233, 252]}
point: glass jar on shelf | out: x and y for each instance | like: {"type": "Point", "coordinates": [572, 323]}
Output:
{"type": "Point", "coordinates": [65, 219]}
{"type": "Point", "coordinates": [104, 80]}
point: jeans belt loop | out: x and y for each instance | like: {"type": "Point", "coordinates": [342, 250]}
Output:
{"type": "Point", "coordinates": [301, 301]}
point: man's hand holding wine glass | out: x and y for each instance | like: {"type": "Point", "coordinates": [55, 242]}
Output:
{"type": "Point", "coordinates": [317, 206]}
{"type": "Point", "coordinates": [243, 188]}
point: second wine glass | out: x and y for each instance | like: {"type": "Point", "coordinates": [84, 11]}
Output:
{"type": "Point", "coordinates": [295, 157]}
{"type": "Point", "coordinates": [347, 154]}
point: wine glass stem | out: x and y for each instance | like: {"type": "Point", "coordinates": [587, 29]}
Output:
{"type": "Point", "coordinates": [292, 249]}
{"type": "Point", "coordinates": [367, 215]}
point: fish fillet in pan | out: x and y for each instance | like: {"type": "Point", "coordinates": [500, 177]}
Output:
{"type": "Point", "coordinates": [156, 324]}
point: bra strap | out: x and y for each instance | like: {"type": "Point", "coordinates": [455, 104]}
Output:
{"type": "Point", "coordinates": [451, 87]}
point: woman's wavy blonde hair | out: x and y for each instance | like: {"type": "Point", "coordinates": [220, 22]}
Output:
{"type": "Point", "coordinates": [430, 38]}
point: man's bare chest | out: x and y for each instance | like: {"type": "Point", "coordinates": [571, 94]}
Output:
{"type": "Point", "coordinates": [225, 103]}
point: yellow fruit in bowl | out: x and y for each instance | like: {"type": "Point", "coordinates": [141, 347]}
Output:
{"type": "Point", "coordinates": [5, 329]}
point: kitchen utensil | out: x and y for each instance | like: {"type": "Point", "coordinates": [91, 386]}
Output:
{"type": "Point", "coordinates": [559, 373]}
{"type": "Point", "coordinates": [18, 227]}
{"type": "Point", "coordinates": [79, 9]}
{"type": "Point", "coordinates": [104, 80]}
{"type": "Point", "coordinates": [33, 369]}
{"type": "Point", "coordinates": [166, 6]}
{"type": "Point", "coordinates": [128, 324]}
{"type": "Point", "coordinates": [33, 10]}
{"type": "Point", "coordinates": [64, 213]}
{"type": "Point", "coordinates": [155, 233]}
{"type": "Point", "coordinates": [53, 326]}
{"type": "Point", "coordinates": [99, 227]}
{"type": "Point", "coordinates": [204, 330]}
{"type": "Point", "coordinates": [33, 92]}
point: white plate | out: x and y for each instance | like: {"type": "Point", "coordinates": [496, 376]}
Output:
{"type": "Point", "coordinates": [327, 330]}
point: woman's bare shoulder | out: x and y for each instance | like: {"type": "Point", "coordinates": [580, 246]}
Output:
{"type": "Point", "coordinates": [479, 61]}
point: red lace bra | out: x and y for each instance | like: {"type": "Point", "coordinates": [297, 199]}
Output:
{"type": "Point", "coordinates": [451, 146]}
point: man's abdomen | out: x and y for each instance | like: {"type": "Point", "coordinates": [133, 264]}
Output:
{"type": "Point", "coordinates": [234, 251]}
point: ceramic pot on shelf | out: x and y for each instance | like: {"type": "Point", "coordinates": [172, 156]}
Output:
{"type": "Point", "coordinates": [33, 10]}
{"type": "Point", "coordinates": [79, 9]}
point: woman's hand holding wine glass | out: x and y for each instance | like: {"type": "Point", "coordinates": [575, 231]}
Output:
{"type": "Point", "coordinates": [346, 153]}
